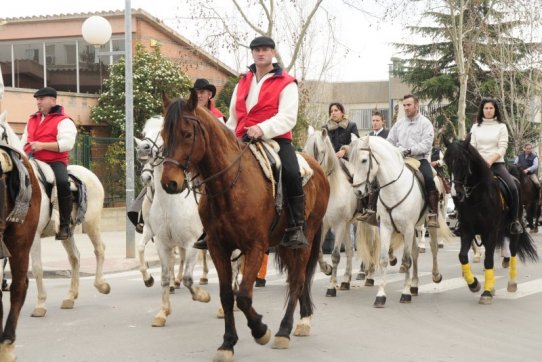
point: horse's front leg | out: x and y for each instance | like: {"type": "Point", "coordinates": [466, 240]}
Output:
{"type": "Point", "coordinates": [349, 250]}
{"type": "Point", "coordinates": [198, 294]}
{"type": "Point", "coordinates": [410, 253]}
{"type": "Point", "coordinates": [204, 279]}
{"type": "Point", "coordinates": [489, 272]}
{"type": "Point", "coordinates": [433, 233]}
{"type": "Point", "coordinates": [164, 253]}
{"type": "Point", "coordinates": [512, 267]}
{"type": "Point", "coordinates": [148, 279]}
{"type": "Point", "coordinates": [324, 266]}
{"type": "Point", "coordinates": [74, 258]}
{"type": "Point", "coordinates": [182, 262]}
{"type": "Point", "coordinates": [37, 271]}
{"type": "Point", "coordinates": [385, 240]}
{"type": "Point", "coordinates": [466, 243]}
{"type": "Point", "coordinates": [221, 260]}
{"type": "Point", "coordinates": [93, 231]}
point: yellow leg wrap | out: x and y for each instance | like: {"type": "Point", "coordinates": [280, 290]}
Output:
{"type": "Point", "coordinates": [490, 280]}
{"type": "Point", "coordinates": [467, 273]}
{"type": "Point", "coordinates": [512, 273]}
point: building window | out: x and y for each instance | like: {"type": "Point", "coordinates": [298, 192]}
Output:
{"type": "Point", "coordinates": [28, 65]}
{"type": "Point", "coordinates": [362, 117]}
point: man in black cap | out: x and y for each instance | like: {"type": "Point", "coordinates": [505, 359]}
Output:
{"type": "Point", "coordinates": [206, 92]}
{"type": "Point", "coordinates": [264, 105]}
{"type": "Point", "coordinates": [49, 136]}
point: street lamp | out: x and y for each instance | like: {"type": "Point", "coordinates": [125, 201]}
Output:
{"type": "Point", "coordinates": [96, 30]}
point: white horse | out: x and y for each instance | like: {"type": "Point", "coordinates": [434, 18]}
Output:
{"type": "Point", "coordinates": [340, 211]}
{"type": "Point", "coordinates": [401, 207]}
{"type": "Point", "coordinates": [48, 225]}
{"type": "Point", "coordinates": [174, 223]}
{"type": "Point", "coordinates": [147, 179]}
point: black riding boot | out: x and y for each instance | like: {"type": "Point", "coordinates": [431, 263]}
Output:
{"type": "Point", "coordinates": [65, 205]}
{"type": "Point", "coordinates": [369, 216]}
{"type": "Point", "coordinates": [201, 243]}
{"type": "Point", "coordinates": [432, 217]}
{"type": "Point", "coordinates": [293, 237]}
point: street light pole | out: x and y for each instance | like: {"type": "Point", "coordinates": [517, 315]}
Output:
{"type": "Point", "coordinates": [129, 110]}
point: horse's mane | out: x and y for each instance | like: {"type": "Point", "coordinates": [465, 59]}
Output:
{"type": "Point", "coordinates": [465, 151]}
{"type": "Point", "coordinates": [173, 115]}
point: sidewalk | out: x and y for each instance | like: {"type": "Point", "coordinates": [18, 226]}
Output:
{"type": "Point", "coordinates": [55, 259]}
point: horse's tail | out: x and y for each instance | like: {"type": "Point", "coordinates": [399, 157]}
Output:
{"type": "Point", "coordinates": [526, 248]}
{"type": "Point", "coordinates": [367, 244]}
{"type": "Point", "coordinates": [313, 259]}
{"type": "Point", "coordinates": [443, 231]}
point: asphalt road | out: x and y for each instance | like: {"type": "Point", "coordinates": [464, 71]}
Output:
{"type": "Point", "coordinates": [444, 323]}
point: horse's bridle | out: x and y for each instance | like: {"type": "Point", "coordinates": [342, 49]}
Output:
{"type": "Point", "coordinates": [159, 158]}
{"type": "Point", "coordinates": [185, 167]}
{"type": "Point", "coordinates": [463, 183]}
{"type": "Point", "coordinates": [315, 150]}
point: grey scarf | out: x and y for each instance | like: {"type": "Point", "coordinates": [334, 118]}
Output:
{"type": "Point", "coordinates": [332, 125]}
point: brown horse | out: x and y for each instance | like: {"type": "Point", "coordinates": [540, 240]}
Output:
{"type": "Point", "coordinates": [530, 197]}
{"type": "Point", "coordinates": [18, 238]}
{"type": "Point", "coordinates": [237, 211]}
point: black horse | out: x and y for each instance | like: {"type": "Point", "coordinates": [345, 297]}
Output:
{"type": "Point", "coordinates": [530, 197]}
{"type": "Point", "coordinates": [482, 211]}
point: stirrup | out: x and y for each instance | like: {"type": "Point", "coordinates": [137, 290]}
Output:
{"type": "Point", "coordinates": [201, 243]}
{"type": "Point", "coordinates": [432, 221]}
{"type": "Point", "coordinates": [294, 238]}
{"type": "Point", "coordinates": [365, 215]}
{"type": "Point", "coordinates": [64, 233]}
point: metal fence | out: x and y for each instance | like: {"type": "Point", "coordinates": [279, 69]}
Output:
{"type": "Point", "coordinates": [96, 154]}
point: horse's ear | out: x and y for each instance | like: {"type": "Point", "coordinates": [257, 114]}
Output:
{"type": "Point", "coordinates": [137, 141]}
{"type": "Point", "coordinates": [325, 132]}
{"type": "Point", "coordinates": [310, 130]}
{"type": "Point", "coordinates": [353, 137]}
{"type": "Point", "coordinates": [165, 102]}
{"type": "Point", "coordinates": [4, 117]}
{"type": "Point", "coordinates": [192, 101]}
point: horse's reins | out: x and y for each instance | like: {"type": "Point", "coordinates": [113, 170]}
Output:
{"type": "Point", "coordinates": [315, 150]}
{"type": "Point", "coordinates": [388, 208]}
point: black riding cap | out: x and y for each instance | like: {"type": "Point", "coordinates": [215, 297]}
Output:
{"type": "Point", "coordinates": [262, 41]}
{"type": "Point", "coordinates": [204, 84]}
{"type": "Point", "coordinates": [45, 92]}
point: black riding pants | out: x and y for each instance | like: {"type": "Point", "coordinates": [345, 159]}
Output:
{"type": "Point", "coordinates": [427, 172]}
{"type": "Point", "coordinates": [291, 176]}
{"type": "Point", "coordinates": [61, 175]}
{"type": "Point", "coordinates": [500, 170]}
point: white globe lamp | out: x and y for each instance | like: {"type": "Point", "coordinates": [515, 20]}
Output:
{"type": "Point", "coordinates": [96, 30]}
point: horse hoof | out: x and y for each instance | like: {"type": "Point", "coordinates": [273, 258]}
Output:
{"type": "Point", "coordinates": [402, 269]}
{"type": "Point", "coordinates": [104, 288]}
{"type": "Point", "coordinates": [421, 250]}
{"type": "Point", "coordinates": [369, 282]}
{"type": "Point", "coordinates": [512, 287]}
{"type": "Point", "coordinates": [171, 290]}
{"type": "Point", "coordinates": [281, 342]}
{"type": "Point", "coordinates": [380, 302]}
{"type": "Point", "coordinates": [345, 286]}
{"type": "Point", "coordinates": [331, 292]}
{"type": "Point", "coordinates": [437, 278]}
{"type": "Point", "coordinates": [7, 352]}
{"type": "Point", "coordinates": [263, 340]}
{"type": "Point", "coordinates": [39, 312]}
{"type": "Point", "coordinates": [393, 261]}
{"type": "Point", "coordinates": [203, 281]}
{"type": "Point", "coordinates": [486, 298]}
{"type": "Point", "coordinates": [405, 298]}
{"type": "Point", "coordinates": [67, 304]}
{"type": "Point", "coordinates": [223, 356]}
{"type": "Point", "coordinates": [158, 322]}
{"type": "Point", "coordinates": [475, 286]}
{"type": "Point", "coordinates": [220, 313]}
{"type": "Point", "coordinates": [149, 282]}
{"type": "Point", "coordinates": [505, 263]}
{"type": "Point", "coordinates": [360, 276]}
{"type": "Point", "coordinates": [414, 291]}
{"type": "Point", "coordinates": [302, 330]}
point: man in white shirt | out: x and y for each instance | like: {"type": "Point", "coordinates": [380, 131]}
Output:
{"type": "Point", "coordinates": [49, 136]}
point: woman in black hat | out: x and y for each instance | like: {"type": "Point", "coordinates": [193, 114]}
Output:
{"type": "Point", "coordinates": [206, 92]}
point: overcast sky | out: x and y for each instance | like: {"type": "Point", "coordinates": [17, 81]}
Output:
{"type": "Point", "coordinates": [368, 41]}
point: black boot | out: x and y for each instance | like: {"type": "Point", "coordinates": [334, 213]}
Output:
{"type": "Point", "coordinates": [293, 237]}
{"type": "Point", "coordinates": [201, 243]}
{"type": "Point", "coordinates": [65, 205]}
{"type": "Point", "coordinates": [369, 216]}
{"type": "Point", "coordinates": [432, 217]}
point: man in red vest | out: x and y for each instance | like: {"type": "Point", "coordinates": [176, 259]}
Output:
{"type": "Point", "coordinates": [49, 136]}
{"type": "Point", "coordinates": [264, 105]}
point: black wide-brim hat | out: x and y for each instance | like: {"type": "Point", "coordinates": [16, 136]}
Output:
{"type": "Point", "coordinates": [45, 92]}
{"type": "Point", "coordinates": [204, 84]}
